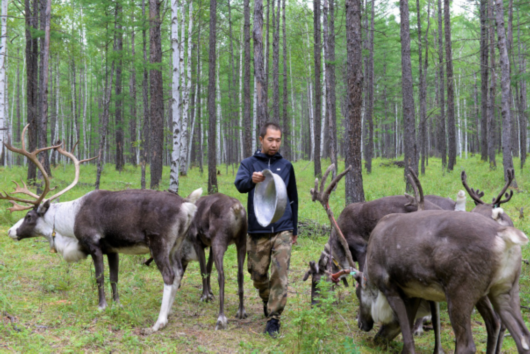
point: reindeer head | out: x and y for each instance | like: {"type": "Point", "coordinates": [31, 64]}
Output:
{"type": "Point", "coordinates": [493, 209]}
{"type": "Point", "coordinates": [32, 224]}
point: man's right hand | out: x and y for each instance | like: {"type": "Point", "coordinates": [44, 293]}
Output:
{"type": "Point", "coordinates": [258, 177]}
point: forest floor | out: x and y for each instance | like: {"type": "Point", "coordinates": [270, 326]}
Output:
{"type": "Point", "coordinates": [47, 305]}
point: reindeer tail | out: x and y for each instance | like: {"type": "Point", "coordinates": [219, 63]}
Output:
{"type": "Point", "coordinates": [194, 196]}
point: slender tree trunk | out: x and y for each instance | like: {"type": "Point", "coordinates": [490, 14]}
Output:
{"type": "Point", "coordinates": [120, 161]}
{"type": "Point", "coordinates": [43, 139]}
{"type": "Point", "coordinates": [3, 86]}
{"type": "Point", "coordinates": [175, 97]}
{"type": "Point", "coordinates": [145, 95]}
{"type": "Point", "coordinates": [330, 90]}
{"type": "Point", "coordinates": [409, 122]}
{"type": "Point", "coordinates": [31, 84]}
{"type": "Point", "coordinates": [423, 88]}
{"type": "Point", "coordinates": [492, 90]}
{"type": "Point", "coordinates": [523, 122]}
{"type": "Point", "coordinates": [212, 127]}
{"type": "Point", "coordinates": [276, 65]}
{"type": "Point", "coordinates": [354, 179]}
{"type": "Point", "coordinates": [157, 93]}
{"type": "Point", "coordinates": [450, 87]}
{"type": "Point", "coordinates": [442, 136]}
{"type": "Point", "coordinates": [484, 79]}
{"type": "Point", "coordinates": [317, 115]}
{"type": "Point", "coordinates": [260, 85]}
{"type": "Point", "coordinates": [103, 127]}
{"type": "Point", "coordinates": [369, 106]}
{"type": "Point", "coordinates": [132, 93]}
{"type": "Point", "coordinates": [184, 161]}
{"type": "Point", "coordinates": [507, 161]}
{"type": "Point", "coordinates": [287, 141]}
{"type": "Point", "coordinates": [248, 132]}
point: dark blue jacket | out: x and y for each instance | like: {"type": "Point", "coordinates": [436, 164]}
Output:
{"type": "Point", "coordinates": [244, 184]}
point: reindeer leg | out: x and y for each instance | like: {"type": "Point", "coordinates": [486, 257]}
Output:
{"type": "Point", "coordinates": [435, 314]}
{"type": "Point", "coordinates": [492, 322]}
{"type": "Point", "coordinates": [401, 310]}
{"type": "Point", "coordinates": [97, 257]}
{"type": "Point", "coordinates": [209, 267]}
{"type": "Point", "coordinates": [171, 279]}
{"type": "Point", "coordinates": [204, 274]}
{"type": "Point", "coordinates": [241, 253]}
{"type": "Point", "coordinates": [114, 263]}
{"type": "Point", "coordinates": [460, 308]}
{"type": "Point", "coordinates": [508, 307]}
{"type": "Point", "coordinates": [218, 251]}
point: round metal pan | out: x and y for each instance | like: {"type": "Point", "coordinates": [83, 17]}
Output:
{"type": "Point", "coordinates": [270, 199]}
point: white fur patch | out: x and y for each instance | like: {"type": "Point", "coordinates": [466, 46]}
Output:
{"type": "Point", "coordinates": [13, 230]}
{"type": "Point", "coordinates": [69, 248]}
{"type": "Point", "coordinates": [460, 201]}
{"type": "Point", "coordinates": [513, 236]}
{"type": "Point", "coordinates": [381, 310]}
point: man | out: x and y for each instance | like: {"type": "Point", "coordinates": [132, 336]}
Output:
{"type": "Point", "coordinates": [270, 246]}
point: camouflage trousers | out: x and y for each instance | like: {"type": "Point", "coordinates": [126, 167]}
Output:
{"type": "Point", "coordinates": [274, 251]}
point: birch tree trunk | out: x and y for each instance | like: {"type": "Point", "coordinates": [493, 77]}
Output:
{"type": "Point", "coordinates": [505, 90]}
{"type": "Point", "coordinates": [175, 98]}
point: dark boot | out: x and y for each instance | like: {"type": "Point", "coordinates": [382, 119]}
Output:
{"type": "Point", "coordinates": [272, 328]}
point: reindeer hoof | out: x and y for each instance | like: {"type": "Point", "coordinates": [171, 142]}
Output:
{"type": "Point", "coordinates": [419, 331]}
{"type": "Point", "coordinates": [207, 297]}
{"type": "Point", "coordinates": [102, 306]}
{"type": "Point", "coordinates": [241, 314]}
{"type": "Point", "coordinates": [222, 322]}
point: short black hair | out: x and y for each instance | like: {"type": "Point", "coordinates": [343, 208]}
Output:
{"type": "Point", "coordinates": [269, 125]}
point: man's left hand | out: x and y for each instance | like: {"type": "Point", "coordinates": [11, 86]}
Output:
{"type": "Point", "coordinates": [293, 239]}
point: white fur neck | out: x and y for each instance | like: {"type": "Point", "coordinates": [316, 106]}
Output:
{"type": "Point", "coordinates": [460, 201]}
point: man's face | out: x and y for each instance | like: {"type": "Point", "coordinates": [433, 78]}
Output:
{"type": "Point", "coordinates": [270, 143]}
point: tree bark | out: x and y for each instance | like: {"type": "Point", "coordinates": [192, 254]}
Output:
{"type": "Point", "coordinates": [369, 106]}
{"type": "Point", "coordinates": [31, 83]}
{"type": "Point", "coordinates": [285, 118]}
{"type": "Point", "coordinates": [354, 179]}
{"type": "Point", "coordinates": [484, 79]}
{"type": "Point", "coordinates": [132, 92]}
{"type": "Point", "coordinates": [3, 86]}
{"type": "Point", "coordinates": [186, 137]}
{"type": "Point", "coordinates": [523, 122]}
{"type": "Point", "coordinates": [409, 122]}
{"type": "Point", "coordinates": [492, 89]}
{"type": "Point", "coordinates": [157, 93]}
{"type": "Point", "coordinates": [261, 95]}
{"type": "Point", "coordinates": [442, 136]}
{"type": "Point", "coordinates": [43, 129]}
{"type": "Point", "coordinates": [248, 132]}
{"type": "Point", "coordinates": [507, 161]}
{"type": "Point", "coordinates": [145, 95]}
{"type": "Point", "coordinates": [118, 119]}
{"type": "Point", "coordinates": [423, 86]}
{"type": "Point", "coordinates": [330, 90]}
{"type": "Point", "coordinates": [276, 65]}
{"type": "Point", "coordinates": [450, 87]}
{"type": "Point", "coordinates": [212, 127]}
{"type": "Point", "coordinates": [175, 97]}
{"type": "Point", "coordinates": [317, 115]}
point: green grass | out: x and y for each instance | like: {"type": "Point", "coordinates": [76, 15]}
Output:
{"type": "Point", "coordinates": [47, 305]}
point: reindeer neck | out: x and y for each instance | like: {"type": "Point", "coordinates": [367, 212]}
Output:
{"type": "Point", "coordinates": [62, 216]}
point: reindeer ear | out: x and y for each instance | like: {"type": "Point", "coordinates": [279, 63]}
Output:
{"type": "Point", "coordinates": [306, 275]}
{"type": "Point", "coordinates": [43, 208]}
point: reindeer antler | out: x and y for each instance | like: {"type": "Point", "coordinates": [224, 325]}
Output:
{"type": "Point", "coordinates": [37, 200]}
{"type": "Point", "coordinates": [323, 197]}
{"type": "Point", "coordinates": [498, 201]}
{"type": "Point", "coordinates": [32, 156]}
{"type": "Point", "coordinates": [476, 195]}
{"type": "Point", "coordinates": [418, 190]}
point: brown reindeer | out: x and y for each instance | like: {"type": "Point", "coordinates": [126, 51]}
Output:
{"type": "Point", "coordinates": [108, 223]}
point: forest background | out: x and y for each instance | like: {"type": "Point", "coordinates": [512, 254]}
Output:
{"type": "Point", "coordinates": [188, 84]}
